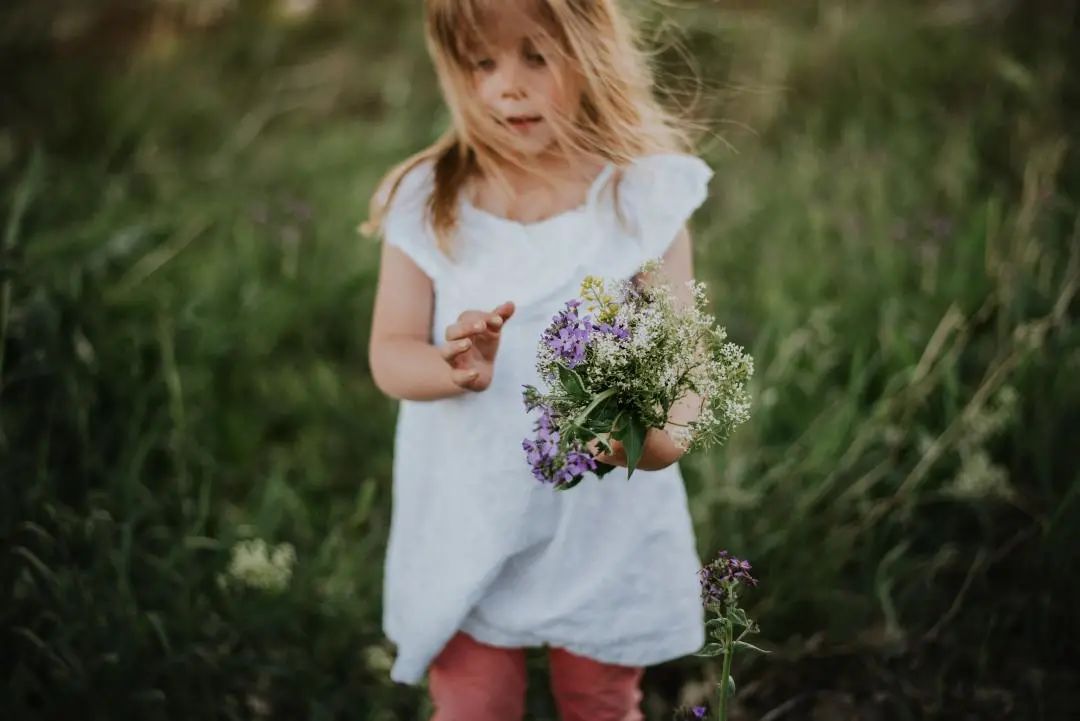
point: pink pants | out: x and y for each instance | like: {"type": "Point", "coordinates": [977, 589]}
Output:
{"type": "Point", "coordinates": [472, 681]}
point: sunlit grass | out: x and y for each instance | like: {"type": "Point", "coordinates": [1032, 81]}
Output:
{"type": "Point", "coordinates": [891, 233]}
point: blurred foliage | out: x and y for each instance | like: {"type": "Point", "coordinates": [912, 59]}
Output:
{"type": "Point", "coordinates": [184, 306]}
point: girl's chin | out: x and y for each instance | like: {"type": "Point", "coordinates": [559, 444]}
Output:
{"type": "Point", "coordinates": [535, 146]}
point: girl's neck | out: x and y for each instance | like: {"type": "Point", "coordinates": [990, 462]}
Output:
{"type": "Point", "coordinates": [559, 186]}
{"type": "Point", "coordinates": [548, 171]}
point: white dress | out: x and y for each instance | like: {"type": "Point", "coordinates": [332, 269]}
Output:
{"type": "Point", "coordinates": [606, 570]}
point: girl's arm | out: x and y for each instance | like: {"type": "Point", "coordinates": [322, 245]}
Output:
{"type": "Point", "coordinates": [660, 450]}
{"type": "Point", "coordinates": [404, 362]}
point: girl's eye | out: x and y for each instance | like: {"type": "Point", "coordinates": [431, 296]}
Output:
{"type": "Point", "coordinates": [535, 58]}
{"type": "Point", "coordinates": [484, 64]}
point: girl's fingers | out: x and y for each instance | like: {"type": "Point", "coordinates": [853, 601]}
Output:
{"type": "Point", "coordinates": [462, 329]}
{"type": "Point", "coordinates": [502, 313]}
{"type": "Point", "coordinates": [593, 446]}
{"type": "Point", "coordinates": [615, 459]}
{"type": "Point", "coordinates": [463, 377]}
{"type": "Point", "coordinates": [468, 323]}
{"type": "Point", "coordinates": [505, 310]}
{"type": "Point", "coordinates": [454, 348]}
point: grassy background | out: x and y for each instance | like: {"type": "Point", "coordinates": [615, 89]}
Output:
{"type": "Point", "coordinates": [184, 307]}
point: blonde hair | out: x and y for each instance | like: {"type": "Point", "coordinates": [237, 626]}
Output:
{"type": "Point", "coordinates": [618, 117]}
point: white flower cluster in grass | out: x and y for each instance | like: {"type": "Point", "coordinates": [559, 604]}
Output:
{"type": "Point", "coordinates": [979, 477]}
{"type": "Point", "coordinates": [255, 565]}
{"type": "Point", "coordinates": [377, 658]}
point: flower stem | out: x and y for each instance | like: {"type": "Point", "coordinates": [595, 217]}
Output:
{"type": "Point", "coordinates": [729, 651]}
{"type": "Point", "coordinates": [607, 393]}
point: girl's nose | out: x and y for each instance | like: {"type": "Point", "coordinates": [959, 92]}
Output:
{"type": "Point", "coordinates": [510, 81]}
{"type": "Point", "coordinates": [513, 93]}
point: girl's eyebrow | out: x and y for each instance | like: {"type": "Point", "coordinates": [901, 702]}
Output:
{"type": "Point", "coordinates": [471, 45]}
{"type": "Point", "coordinates": [532, 45]}
{"type": "Point", "coordinates": [541, 40]}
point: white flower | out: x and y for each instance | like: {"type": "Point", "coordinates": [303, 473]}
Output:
{"type": "Point", "coordinates": [378, 659]}
{"type": "Point", "coordinates": [254, 565]}
{"type": "Point", "coordinates": [297, 8]}
{"type": "Point", "coordinates": [979, 477]}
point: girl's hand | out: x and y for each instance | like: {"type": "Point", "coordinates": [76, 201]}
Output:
{"type": "Point", "coordinates": [471, 344]}
{"type": "Point", "coordinates": [659, 451]}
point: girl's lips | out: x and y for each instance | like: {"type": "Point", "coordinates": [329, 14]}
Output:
{"type": "Point", "coordinates": [523, 122]}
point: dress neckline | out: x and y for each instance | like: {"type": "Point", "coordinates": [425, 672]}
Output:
{"type": "Point", "coordinates": [585, 207]}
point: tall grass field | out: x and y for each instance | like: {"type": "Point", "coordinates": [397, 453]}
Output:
{"type": "Point", "coordinates": [195, 466]}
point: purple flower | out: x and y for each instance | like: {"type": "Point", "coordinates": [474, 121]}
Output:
{"type": "Point", "coordinates": [698, 711]}
{"type": "Point", "coordinates": [721, 577]}
{"type": "Point", "coordinates": [578, 462]}
{"type": "Point", "coordinates": [549, 460]}
{"type": "Point", "coordinates": [619, 331]}
{"type": "Point", "coordinates": [553, 458]}
{"type": "Point", "coordinates": [568, 334]}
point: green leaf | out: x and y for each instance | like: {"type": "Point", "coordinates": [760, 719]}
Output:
{"type": "Point", "coordinates": [717, 622]}
{"type": "Point", "coordinates": [731, 687]}
{"type": "Point", "coordinates": [597, 399]}
{"type": "Point", "coordinates": [752, 647]}
{"type": "Point", "coordinates": [587, 434]}
{"type": "Point", "coordinates": [602, 469]}
{"type": "Point", "coordinates": [633, 439]}
{"type": "Point", "coordinates": [603, 416]}
{"type": "Point", "coordinates": [572, 383]}
{"type": "Point", "coordinates": [710, 649]}
{"type": "Point", "coordinates": [582, 433]}
{"type": "Point", "coordinates": [571, 484]}
{"type": "Point", "coordinates": [620, 421]}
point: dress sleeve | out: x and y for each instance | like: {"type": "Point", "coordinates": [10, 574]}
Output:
{"type": "Point", "coordinates": [406, 225]}
{"type": "Point", "coordinates": [658, 193]}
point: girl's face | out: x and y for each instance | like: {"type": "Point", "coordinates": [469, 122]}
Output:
{"type": "Point", "coordinates": [521, 82]}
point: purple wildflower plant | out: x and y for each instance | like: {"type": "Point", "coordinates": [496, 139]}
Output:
{"type": "Point", "coordinates": [691, 713]}
{"type": "Point", "coordinates": [561, 464]}
{"type": "Point", "coordinates": [558, 458]}
{"type": "Point", "coordinates": [568, 334]}
{"type": "Point", "coordinates": [721, 579]}
{"type": "Point", "coordinates": [619, 329]}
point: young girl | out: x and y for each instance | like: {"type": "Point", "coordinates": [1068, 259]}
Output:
{"type": "Point", "coordinates": [558, 164]}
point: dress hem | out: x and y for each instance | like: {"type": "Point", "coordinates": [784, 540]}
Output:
{"type": "Point", "coordinates": [645, 650]}
{"type": "Point", "coordinates": [640, 651]}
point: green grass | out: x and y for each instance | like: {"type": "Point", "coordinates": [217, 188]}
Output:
{"type": "Point", "coordinates": [892, 232]}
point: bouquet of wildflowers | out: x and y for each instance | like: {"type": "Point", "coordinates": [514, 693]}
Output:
{"type": "Point", "coordinates": [617, 371]}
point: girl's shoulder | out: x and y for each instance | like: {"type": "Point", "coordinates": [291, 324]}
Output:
{"type": "Point", "coordinates": [664, 177]}
{"type": "Point", "coordinates": [413, 188]}
{"type": "Point", "coordinates": [658, 192]}
{"type": "Point", "coordinates": [406, 223]}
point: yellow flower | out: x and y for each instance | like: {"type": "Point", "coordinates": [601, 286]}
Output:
{"type": "Point", "coordinates": [597, 300]}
